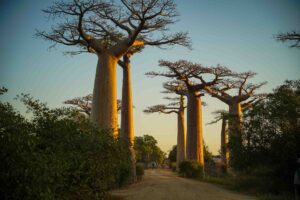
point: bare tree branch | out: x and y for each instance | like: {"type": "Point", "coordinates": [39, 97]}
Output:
{"type": "Point", "coordinates": [187, 72]}
{"type": "Point", "coordinates": [292, 37]}
{"type": "Point", "coordinates": [225, 89]}
{"type": "Point", "coordinates": [254, 99]}
{"type": "Point", "coordinates": [161, 108]}
{"type": "Point", "coordinates": [101, 25]}
{"type": "Point", "coordinates": [84, 104]}
{"type": "Point", "coordinates": [177, 87]}
{"type": "Point", "coordinates": [219, 115]}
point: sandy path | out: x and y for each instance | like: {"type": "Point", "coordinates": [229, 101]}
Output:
{"type": "Point", "coordinates": [163, 184]}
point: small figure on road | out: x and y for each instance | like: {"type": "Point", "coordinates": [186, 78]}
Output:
{"type": "Point", "coordinates": [297, 181]}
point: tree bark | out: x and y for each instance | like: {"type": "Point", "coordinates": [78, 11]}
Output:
{"type": "Point", "coordinates": [104, 105]}
{"type": "Point", "coordinates": [235, 131]}
{"type": "Point", "coordinates": [127, 129]}
{"type": "Point", "coordinates": [181, 134]}
{"type": "Point", "coordinates": [235, 119]}
{"type": "Point", "coordinates": [224, 145]}
{"type": "Point", "coordinates": [194, 147]}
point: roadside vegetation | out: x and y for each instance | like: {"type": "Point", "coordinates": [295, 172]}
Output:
{"type": "Point", "coordinates": [148, 153]}
{"type": "Point", "coordinates": [266, 164]}
{"type": "Point", "coordinates": [57, 154]}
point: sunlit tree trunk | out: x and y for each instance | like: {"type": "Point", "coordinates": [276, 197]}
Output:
{"type": "Point", "coordinates": [194, 147]}
{"type": "Point", "coordinates": [127, 129]}
{"type": "Point", "coordinates": [127, 108]}
{"type": "Point", "coordinates": [104, 105]}
{"type": "Point", "coordinates": [181, 134]}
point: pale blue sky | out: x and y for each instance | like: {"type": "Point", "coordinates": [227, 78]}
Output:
{"type": "Point", "coordinates": [234, 33]}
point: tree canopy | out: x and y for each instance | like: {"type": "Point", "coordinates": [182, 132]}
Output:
{"type": "Point", "coordinates": [100, 25]}
{"type": "Point", "coordinates": [146, 150]}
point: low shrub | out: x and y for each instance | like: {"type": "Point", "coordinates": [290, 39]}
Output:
{"type": "Point", "coordinates": [173, 166]}
{"type": "Point", "coordinates": [191, 169]}
{"type": "Point", "coordinates": [139, 171]}
{"type": "Point", "coordinates": [264, 188]}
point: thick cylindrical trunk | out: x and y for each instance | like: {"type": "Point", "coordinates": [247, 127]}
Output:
{"type": "Point", "coordinates": [235, 132]}
{"type": "Point", "coordinates": [127, 131]}
{"type": "Point", "coordinates": [181, 134]}
{"type": "Point", "coordinates": [133, 164]}
{"type": "Point", "coordinates": [104, 105]}
{"type": "Point", "coordinates": [235, 119]}
{"type": "Point", "coordinates": [224, 145]}
{"type": "Point", "coordinates": [194, 145]}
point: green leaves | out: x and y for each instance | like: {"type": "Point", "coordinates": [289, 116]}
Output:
{"type": "Point", "coordinates": [57, 155]}
{"type": "Point", "coordinates": [191, 169]}
{"type": "Point", "coordinates": [271, 136]}
{"type": "Point", "coordinates": [146, 150]}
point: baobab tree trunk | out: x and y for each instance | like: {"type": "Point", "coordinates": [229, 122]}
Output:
{"type": "Point", "coordinates": [235, 119]}
{"type": "Point", "coordinates": [194, 147]}
{"type": "Point", "coordinates": [104, 105]}
{"type": "Point", "coordinates": [127, 131]}
{"type": "Point", "coordinates": [235, 131]}
{"type": "Point", "coordinates": [224, 145]}
{"type": "Point", "coordinates": [181, 134]}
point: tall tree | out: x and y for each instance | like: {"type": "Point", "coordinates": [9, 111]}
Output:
{"type": "Point", "coordinates": [222, 115]}
{"type": "Point", "coordinates": [109, 30]}
{"type": "Point", "coordinates": [176, 107]}
{"type": "Point", "coordinates": [127, 128]}
{"type": "Point", "coordinates": [185, 71]}
{"type": "Point", "coordinates": [238, 95]}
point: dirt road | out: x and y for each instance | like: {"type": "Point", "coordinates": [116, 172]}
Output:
{"type": "Point", "coordinates": [163, 184]}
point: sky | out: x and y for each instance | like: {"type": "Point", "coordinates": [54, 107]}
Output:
{"type": "Point", "coordinates": [238, 34]}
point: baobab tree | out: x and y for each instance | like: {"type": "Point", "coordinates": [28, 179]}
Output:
{"type": "Point", "coordinates": [84, 104]}
{"type": "Point", "coordinates": [222, 115]}
{"type": "Point", "coordinates": [177, 107]}
{"type": "Point", "coordinates": [127, 127]}
{"type": "Point", "coordinates": [185, 71]}
{"type": "Point", "coordinates": [109, 30]}
{"type": "Point", "coordinates": [238, 95]}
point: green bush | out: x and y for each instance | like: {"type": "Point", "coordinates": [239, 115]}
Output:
{"type": "Point", "coordinates": [56, 155]}
{"type": "Point", "coordinates": [191, 169]}
{"type": "Point", "coordinates": [173, 166]}
{"type": "Point", "coordinates": [140, 171]}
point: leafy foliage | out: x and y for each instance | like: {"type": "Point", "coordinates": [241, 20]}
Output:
{"type": "Point", "coordinates": [271, 137]}
{"type": "Point", "coordinates": [56, 155]}
{"type": "Point", "coordinates": [146, 150]}
{"type": "Point", "coordinates": [172, 154]}
{"type": "Point", "coordinates": [139, 171]}
{"type": "Point", "coordinates": [191, 169]}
